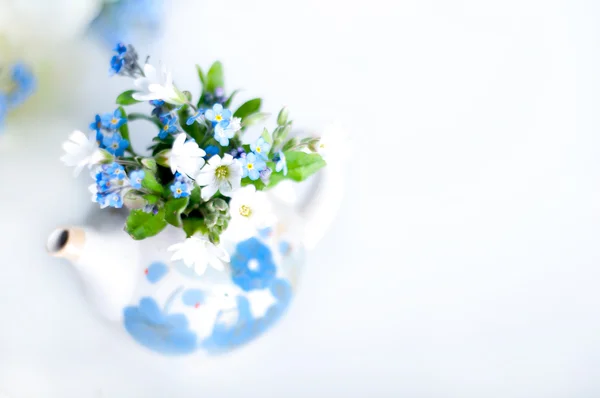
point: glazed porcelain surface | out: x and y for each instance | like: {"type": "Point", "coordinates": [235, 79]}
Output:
{"type": "Point", "coordinates": [165, 306]}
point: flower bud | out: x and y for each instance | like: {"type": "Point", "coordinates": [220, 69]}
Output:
{"type": "Point", "coordinates": [210, 220]}
{"type": "Point", "coordinates": [220, 204]}
{"type": "Point", "coordinates": [150, 164]}
{"type": "Point", "coordinates": [162, 157]}
{"type": "Point", "coordinates": [133, 200]}
{"type": "Point", "coordinates": [282, 118]}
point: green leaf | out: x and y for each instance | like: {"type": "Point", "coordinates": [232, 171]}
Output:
{"type": "Point", "coordinates": [248, 108]}
{"type": "Point", "coordinates": [141, 116]}
{"type": "Point", "coordinates": [267, 136]}
{"type": "Point", "coordinates": [193, 225]}
{"type": "Point", "coordinates": [141, 225]}
{"type": "Point", "coordinates": [300, 166]}
{"type": "Point", "coordinates": [192, 129]}
{"type": "Point", "coordinates": [124, 129]}
{"type": "Point", "coordinates": [126, 98]}
{"type": "Point", "coordinates": [150, 164]}
{"type": "Point", "coordinates": [255, 118]}
{"type": "Point", "coordinates": [195, 196]}
{"type": "Point", "coordinates": [214, 78]}
{"type": "Point", "coordinates": [227, 103]}
{"type": "Point", "coordinates": [151, 199]}
{"type": "Point", "coordinates": [173, 210]}
{"type": "Point", "coordinates": [201, 75]}
{"type": "Point", "coordinates": [257, 183]}
{"type": "Point", "coordinates": [150, 182]}
{"type": "Point", "coordinates": [290, 144]}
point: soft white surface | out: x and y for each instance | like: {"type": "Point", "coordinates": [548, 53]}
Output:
{"type": "Point", "coordinates": [464, 261]}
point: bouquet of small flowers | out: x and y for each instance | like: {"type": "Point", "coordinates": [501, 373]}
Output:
{"type": "Point", "coordinates": [198, 174]}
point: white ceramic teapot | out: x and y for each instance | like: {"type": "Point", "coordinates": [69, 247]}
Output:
{"type": "Point", "coordinates": [169, 309]}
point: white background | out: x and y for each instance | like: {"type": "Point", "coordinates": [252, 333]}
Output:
{"type": "Point", "coordinates": [464, 261]}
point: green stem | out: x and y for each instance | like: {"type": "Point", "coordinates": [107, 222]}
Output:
{"type": "Point", "coordinates": [140, 116]}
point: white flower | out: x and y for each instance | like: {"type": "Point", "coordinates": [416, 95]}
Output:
{"type": "Point", "coordinates": [223, 175]}
{"type": "Point", "coordinates": [82, 150]}
{"type": "Point", "coordinates": [185, 157]}
{"type": "Point", "coordinates": [158, 86]}
{"type": "Point", "coordinates": [335, 143]}
{"type": "Point", "coordinates": [250, 210]}
{"type": "Point", "coordinates": [199, 252]}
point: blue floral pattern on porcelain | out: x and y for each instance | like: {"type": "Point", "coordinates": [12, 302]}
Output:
{"type": "Point", "coordinates": [158, 330]}
{"type": "Point", "coordinates": [252, 265]}
{"type": "Point", "coordinates": [179, 313]}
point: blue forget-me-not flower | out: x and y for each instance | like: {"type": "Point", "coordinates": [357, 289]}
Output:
{"type": "Point", "coordinates": [115, 144]}
{"type": "Point", "coordinates": [136, 177]}
{"type": "Point", "coordinates": [218, 114]}
{"type": "Point", "coordinates": [113, 121]}
{"type": "Point", "coordinates": [280, 163]}
{"type": "Point", "coordinates": [252, 165]}
{"type": "Point", "coordinates": [261, 148]}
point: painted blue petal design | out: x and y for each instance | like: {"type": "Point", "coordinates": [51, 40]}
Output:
{"type": "Point", "coordinates": [284, 247]}
{"type": "Point", "coordinates": [252, 265]}
{"type": "Point", "coordinates": [266, 232]}
{"type": "Point", "coordinates": [193, 297]}
{"type": "Point", "coordinates": [227, 336]}
{"type": "Point", "coordinates": [156, 271]}
{"type": "Point", "coordinates": [157, 330]}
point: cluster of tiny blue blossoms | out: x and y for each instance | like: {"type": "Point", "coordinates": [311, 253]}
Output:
{"type": "Point", "coordinates": [107, 128]}
{"type": "Point", "coordinates": [197, 161]}
{"type": "Point", "coordinates": [15, 88]}
{"type": "Point", "coordinates": [125, 61]}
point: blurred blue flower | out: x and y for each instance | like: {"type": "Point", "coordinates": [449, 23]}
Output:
{"type": "Point", "coordinates": [136, 177]}
{"type": "Point", "coordinates": [280, 163]}
{"type": "Point", "coordinates": [159, 331]}
{"type": "Point", "coordinates": [96, 124]}
{"type": "Point", "coordinates": [261, 148]}
{"type": "Point", "coordinates": [115, 144]}
{"type": "Point", "coordinates": [24, 84]}
{"type": "Point", "coordinates": [252, 265]}
{"type": "Point", "coordinates": [128, 20]}
{"type": "Point", "coordinates": [3, 109]}
{"type": "Point", "coordinates": [169, 126]}
{"type": "Point", "coordinates": [252, 166]}
{"type": "Point", "coordinates": [211, 151]}
{"type": "Point", "coordinates": [195, 117]}
{"type": "Point", "coordinates": [238, 152]}
{"type": "Point", "coordinates": [120, 49]}
{"type": "Point", "coordinates": [217, 114]}
{"type": "Point", "coordinates": [116, 64]}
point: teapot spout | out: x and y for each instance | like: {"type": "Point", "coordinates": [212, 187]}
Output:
{"type": "Point", "coordinates": [67, 243]}
{"type": "Point", "coordinates": [108, 265]}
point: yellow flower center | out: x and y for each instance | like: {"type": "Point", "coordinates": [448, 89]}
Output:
{"type": "Point", "coordinates": [115, 145]}
{"type": "Point", "coordinates": [222, 172]}
{"type": "Point", "coordinates": [114, 120]}
{"type": "Point", "coordinates": [179, 191]}
{"type": "Point", "coordinates": [245, 211]}
{"type": "Point", "coordinates": [218, 118]}
{"type": "Point", "coordinates": [166, 127]}
{"type": "Point", "coordinates": [258, 149]}
{"type": "Point", "coordinates": [250, 166]}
